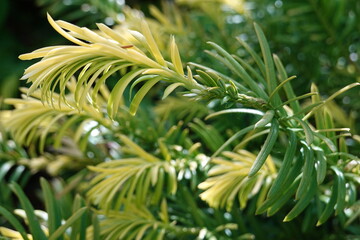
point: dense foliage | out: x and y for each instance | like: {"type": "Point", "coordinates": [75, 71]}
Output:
{"type": "Point", "coordinates": [181, 123]}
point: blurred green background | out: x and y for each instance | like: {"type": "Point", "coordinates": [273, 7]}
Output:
{"type": "Point", "coordinates": [22, 30]}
